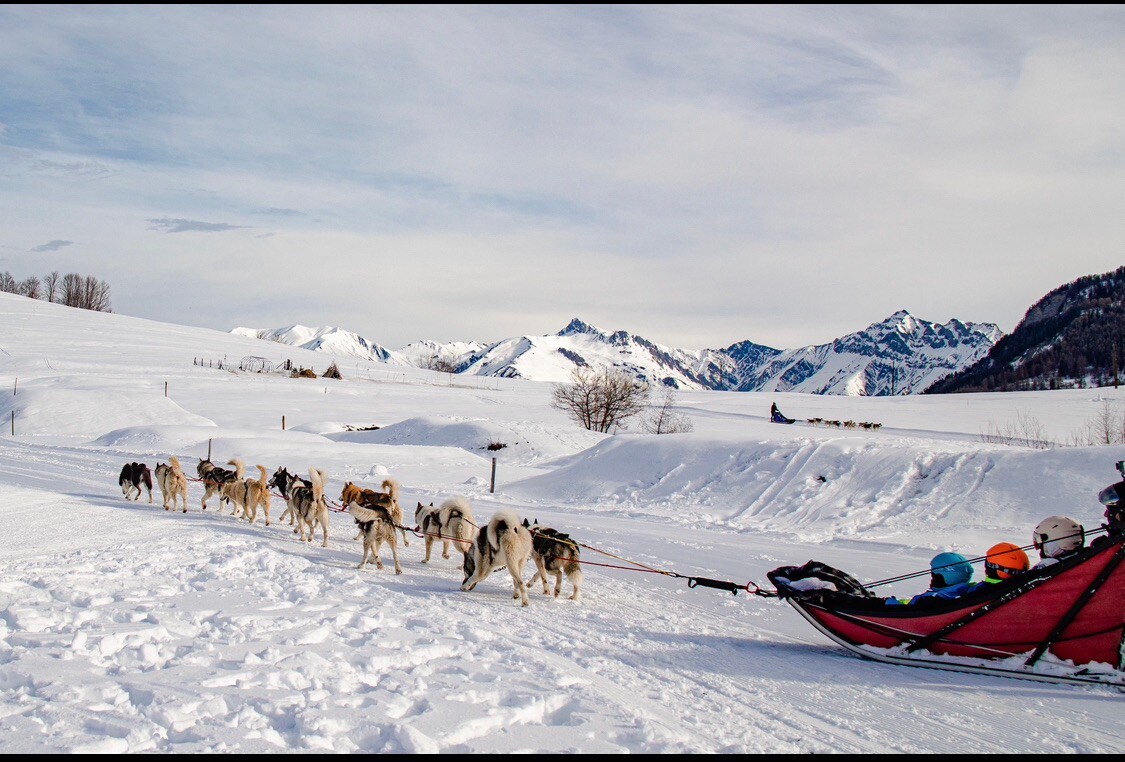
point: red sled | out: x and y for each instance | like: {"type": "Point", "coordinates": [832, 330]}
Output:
{"type": "Point", "coordinates": [1063, 624]}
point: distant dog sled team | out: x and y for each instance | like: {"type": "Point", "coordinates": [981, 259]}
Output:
{"type": "Point", "coordinates": [505, 541]}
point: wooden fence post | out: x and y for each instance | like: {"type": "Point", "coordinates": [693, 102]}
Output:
{"type": "Point", "coordinates": [283, 423]}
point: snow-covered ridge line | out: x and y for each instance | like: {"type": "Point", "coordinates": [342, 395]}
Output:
{"type": "Point", "coordinates": [900, 355]}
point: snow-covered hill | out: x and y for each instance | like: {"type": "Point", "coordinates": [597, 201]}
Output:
{"type": "Point", "coordinates": [125, 628]}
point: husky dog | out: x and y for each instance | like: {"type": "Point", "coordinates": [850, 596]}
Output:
{"type": "Point", "coordinates": [458, 523]}
{"type": "Point", "coordinates": [234, 491]}
{"type": "Point", "coordinates": [428, 520]}
{"type": "Point", "coordinates": [133, 477]}
{"type": "Point", "coordinates": [387, 499]}
{"type": "Point", "coordinates": [505, 542]}
{"type": "Point", "coordinates": [258, 496]}
{"type": "Point", "coordinates": [170, 477]}
{"type": "Point", "coordinates": [246, 495]}
{"type": "Point", "coordinates": [280, 481]}
{"type": "Point", "coordinates": [305, 501]}
{"type": "Point", "coordinates": [377, 526]}
{"type": "Point", "coordinates": [213, 478]}
{"type": "Point", "coordinates": [554, 553]}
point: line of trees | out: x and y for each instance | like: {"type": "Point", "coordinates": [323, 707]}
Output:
{"type": "Point", "coordinates": [72, 290]}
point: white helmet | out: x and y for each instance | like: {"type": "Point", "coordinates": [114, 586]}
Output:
{"type": "Point", "coordinates": [1056, 536]}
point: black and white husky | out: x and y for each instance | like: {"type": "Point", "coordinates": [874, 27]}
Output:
{"type": "Point", "coordinates": [133, 477]}
{"type": "Point", "coordinates": [504, 542]}
{"type": "Point", "coordinates": [305, 501]}
{"type": "Point", "coordinates": [554, 553]}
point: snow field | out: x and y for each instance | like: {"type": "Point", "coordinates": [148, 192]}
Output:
{"type": "Point", "coordinates": [125, 628]}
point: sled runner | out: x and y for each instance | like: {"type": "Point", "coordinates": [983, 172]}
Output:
{"type": "Point", "coordinates": [1064, 623]}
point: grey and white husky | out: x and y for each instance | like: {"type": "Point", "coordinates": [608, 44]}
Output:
{"type": "Point", "coordinates": [504, 542]}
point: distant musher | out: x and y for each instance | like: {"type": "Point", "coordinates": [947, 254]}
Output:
{"type": "Point", "coordinates": [776, 415]}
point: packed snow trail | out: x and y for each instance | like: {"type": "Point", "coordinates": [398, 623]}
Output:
{"type": "Point", "coordinates": [128, 628]}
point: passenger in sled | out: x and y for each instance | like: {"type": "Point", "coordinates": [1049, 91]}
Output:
{"type": "Point", "coordinates": [951, 574]}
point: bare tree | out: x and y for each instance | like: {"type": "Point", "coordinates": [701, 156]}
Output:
{"type": "Point", "coordinates": [664, 419]}
{"type": "Point", "coordinates": [51, 285]}
{"type": "Point", "coordinates": [601, 400]}
{"type": "Point", "coordinates": [85, 292]}
{"type": "Point", "coordinates": [440, 364]}
{"type": "Point", "coordinates": [8, 283]}
{"type": "Point", "coordinates": [70, 291]}
{"type": "Point", "coordinates": [31, 288]}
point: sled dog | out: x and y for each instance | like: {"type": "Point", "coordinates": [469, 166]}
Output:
{"type": "Point", "coordinates": [504, 542]}
{"type": "Point", "coordinates": [305, 501]}
{"type": "Point", "coordinates": [458, 523]}
{"type": "Point", "coordinates": [234, 491]}
{"type": "Point", "coordinates": [368, 497]}
{"type": "Point", "coordinates": [213, 477]}
{"type": "Point", "coordinates": [246, 495]}
{"type": "Point", "coordinates": [377, 526]}
{"type": "Point", "coordinates": [280, 481]}
{"type": "Point", "coordinates": [133, 477]}
{"type": "Point", "coordinates": [172, 482]}
{"type": "Point", "coordinates": [428, 520]}
{"type": "Point", "coordinates": [554, 553]}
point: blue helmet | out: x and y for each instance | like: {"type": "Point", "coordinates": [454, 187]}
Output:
{"type": "Point", "coordinates": [947, 569]}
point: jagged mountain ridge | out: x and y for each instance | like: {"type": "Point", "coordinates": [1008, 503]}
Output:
{"type": "Point", "coordinates": [1068, 338]}
{"type": "Point", "coordinates": [899, 355]}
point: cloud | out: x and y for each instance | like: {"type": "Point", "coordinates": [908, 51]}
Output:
{"type": "Point", "coordinates": [170, 225]}
{"type": "Point", "coordinates": [698, 175]}
{"type": "Point", "coordinates": [52, 245]}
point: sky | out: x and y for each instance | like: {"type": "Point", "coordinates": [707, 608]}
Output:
{"type": "Point", "coordinates": [696, 175]}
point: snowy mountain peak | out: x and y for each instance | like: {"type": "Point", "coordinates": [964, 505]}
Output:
{"type": "Point", "coordinates": [578, 326]}
{"type": "Point", "coordinates": [898, 355]}
{"type": "Point", "coordinates": [330, 339]}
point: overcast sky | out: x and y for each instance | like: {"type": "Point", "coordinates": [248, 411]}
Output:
{"type": "Point", "coordinates": [695, 175]}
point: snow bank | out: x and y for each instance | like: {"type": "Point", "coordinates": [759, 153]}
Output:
{"type": "Point", "coordinates": [524, 442]}
{"type": "Point", "coordinates": [820, 489]}
{"type": "Point", "coordinates": [55, 410]}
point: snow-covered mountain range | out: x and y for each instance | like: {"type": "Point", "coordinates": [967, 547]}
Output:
{"type": "Point", "coordinates": [899, 355]}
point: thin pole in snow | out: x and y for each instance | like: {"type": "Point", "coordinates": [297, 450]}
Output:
{"type": "Point", "coordinates": [208, 449]}
{"type": "Point", "coordinates": [283, 423]}
{"type": "Point", "coordinates": [492, 486]}
{"type": "Point", "coordinates": [13, 423]}
{"type": "Point", "coordinates": [165, 388]}
{"type": "Point", "coordinates": [15, 386]}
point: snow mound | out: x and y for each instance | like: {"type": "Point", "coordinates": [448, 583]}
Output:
{"type": "Point", "coordinates": [56, 410]}
{"type": "Point", "coordinates": [824, 489]}
{"type": "Point", "coordinates": [523, 442]}
{"type": "Point", "coordinates": [193, 439]}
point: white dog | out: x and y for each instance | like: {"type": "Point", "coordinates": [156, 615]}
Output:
{"type": "Point", "coordinates": [458, 523]}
